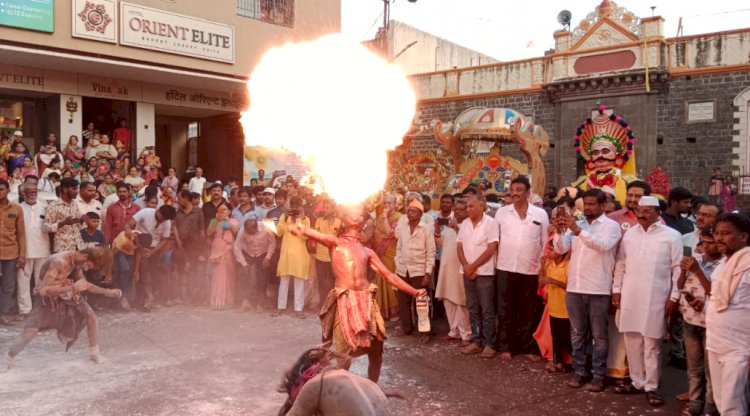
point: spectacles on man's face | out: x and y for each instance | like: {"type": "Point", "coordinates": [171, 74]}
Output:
{"type": "Point", "coordinates": [645, 211]}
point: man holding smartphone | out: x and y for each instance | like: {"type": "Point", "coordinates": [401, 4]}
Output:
{"type": "Point", "coordinates": [695, 285]}
{"type": "Point", "coordinates": [64, 220]}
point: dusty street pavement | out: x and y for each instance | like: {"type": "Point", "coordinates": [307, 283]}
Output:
{"type": "Point", "coordinates": [193, 361]}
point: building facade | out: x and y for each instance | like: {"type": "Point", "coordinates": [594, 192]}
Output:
{"type": "Point", "coordinates": [175, 70]}
{"type": "Point", "coordinates": [686, 98]}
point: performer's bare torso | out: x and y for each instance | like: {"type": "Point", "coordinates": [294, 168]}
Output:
{"type": "Point", "coordinates": [350, 260]}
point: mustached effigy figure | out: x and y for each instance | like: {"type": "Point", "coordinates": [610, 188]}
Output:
{"type": "Point", "coordinates": [64, 307]}
{"type": "Point", "coordinates": [350, 317]}
{"type": "Point", "coordinates": [316, 386]}
{"type": "Point", "coordinates": [606, 144]}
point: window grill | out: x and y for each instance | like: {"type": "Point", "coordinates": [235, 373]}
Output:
{"type": "Point", "coordinates": [278, 12]}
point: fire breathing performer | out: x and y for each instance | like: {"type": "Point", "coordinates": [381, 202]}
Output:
{"type": "Point", "coordinates": [350, 316]}
{"type": "Point", "coordinates": [64, 307]}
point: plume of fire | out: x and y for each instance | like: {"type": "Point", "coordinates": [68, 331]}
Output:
{"type": "Point", "coordinates": [337, 105]}
{"type": "Point", "coordinates": [270, 226]}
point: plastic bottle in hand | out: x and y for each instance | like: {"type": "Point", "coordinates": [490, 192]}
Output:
{"type": "Point", "coordinates": [423, 314]}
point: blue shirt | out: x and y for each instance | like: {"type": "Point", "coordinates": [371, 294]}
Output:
{"type": "Point", "coordinates": [241, 217]}
{"type": "Point", "coordinates": [93, 240]}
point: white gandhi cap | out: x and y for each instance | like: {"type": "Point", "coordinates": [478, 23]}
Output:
{"type": "Point", "coordinates": [648, 201]}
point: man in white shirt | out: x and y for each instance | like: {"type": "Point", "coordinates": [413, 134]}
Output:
{"type": "Point", "coordinates": [645, 289]}
{"type": "Point", "coordinates": [415, 260]}
{"type": "Point", "coordinates": [197, 183]}
{"type": "Point", "coordinates": [592, 243]}
{"type": "Point", "coordinates": [523, 232]}
{"type": "Point", "coordinates": [37, 246]}
{"type": "Point", "coordinates": [477, 243]}
{"type": "Point", "coordinates": [727, 312]}
{"type": "Point", "coordinates": [158, 224]}
{"type": "Point", "coordinates": [86, 200]}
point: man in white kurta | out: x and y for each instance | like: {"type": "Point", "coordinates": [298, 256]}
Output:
{"type": "Point", "coordinates": [450, 283]}
{"type": "Point", "coordinates": [728, 316]}
{"type": "Point", "coordinates": [37, 246]}
{"type": "Point", "coordinates": [645, 290]}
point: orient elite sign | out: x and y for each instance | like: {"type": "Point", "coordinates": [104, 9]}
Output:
{"type": "Point", "coordinates": [144, 27]}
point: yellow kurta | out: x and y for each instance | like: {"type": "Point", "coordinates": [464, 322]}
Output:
{"type": "Point", "coordinates": [293, 257]}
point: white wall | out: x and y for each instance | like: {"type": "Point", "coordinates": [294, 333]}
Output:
{"type": "Point", "coordinates": [70, 126]}
{"type": "Point", "coordinates": [430, 53]}
{"type": "Point", "coordinates": [146, 125]}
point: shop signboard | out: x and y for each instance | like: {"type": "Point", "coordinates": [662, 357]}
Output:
{"type": "Point", "coordinates": [28, 14]}
{"type": "Point", "coordinates": [164, 31]}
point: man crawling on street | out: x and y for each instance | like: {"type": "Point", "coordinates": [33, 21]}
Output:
{"type": "Point", "coordinates": [350, 316]}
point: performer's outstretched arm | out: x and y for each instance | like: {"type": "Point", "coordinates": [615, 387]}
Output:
{"type": "Point", "coordinates": [392, 278]}
{"type": "Point", "coordinates": [325, 239]}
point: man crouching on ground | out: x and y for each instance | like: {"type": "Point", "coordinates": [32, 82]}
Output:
{"type": "Point", "coordinates": [64, 306]}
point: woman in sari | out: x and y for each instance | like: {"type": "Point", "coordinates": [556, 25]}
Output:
{"type": "Point", "coordinates": [385, 246]}
{"type": "Point", "coordinates": [73, 152]}
{"type": "Point", "coordinates": [15, 157]}
{"type": "Point", "coordinates": [222, 231]}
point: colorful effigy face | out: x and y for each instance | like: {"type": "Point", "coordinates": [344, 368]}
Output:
{"type": "Point", "coordinates": [603, 156]}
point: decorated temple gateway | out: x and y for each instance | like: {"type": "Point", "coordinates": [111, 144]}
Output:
{"type": "Point", "coordinates": [470, 153]}
{"type": "Point", "coordinates": [686, 98]}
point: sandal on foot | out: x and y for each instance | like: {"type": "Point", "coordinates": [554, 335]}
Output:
{"type": "Point", "coordinates": [654, 399]}
{"type": "Point", "coordinates": [627, 389]}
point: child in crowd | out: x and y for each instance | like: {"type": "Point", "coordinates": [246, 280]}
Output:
{"type": "Point", "coordinates": [54, 166]}
{"type": "Point", "coordinates": [102, 168]}
{"type": "Point", "coordinates": [94, 237]}
{"type": "Point", "coordinates": [554, 278]}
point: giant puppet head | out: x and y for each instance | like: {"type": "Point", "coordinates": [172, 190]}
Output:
{"type": "Point", "coordinates": [606, 143]}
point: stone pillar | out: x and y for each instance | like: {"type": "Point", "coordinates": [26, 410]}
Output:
{"type": "Point", "coordinates": [653, 27]}
{"type": "Point", "coordinates": [562, 41]}
{"type": "Point", "coordinates": [71, 122]}
{"type": "Point", "coordinates": [145, 128]}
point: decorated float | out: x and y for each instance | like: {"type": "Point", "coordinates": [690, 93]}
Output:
{"type": "Point", "coordinates": [471, 152]}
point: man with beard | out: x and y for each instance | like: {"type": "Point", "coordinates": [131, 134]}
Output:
{"type": "Point", "coordinates": [593, 243]}
{"type": "Point", "coordinates": [705, 214]}
{"type": "Point", "coordinates": [646, 292]}
{"type": "Point", "coordinates": [626, 217]}
{"type": "Point", "coordinates": [727, 311]}
{"type": "Point", "coordinates": [350, 315]}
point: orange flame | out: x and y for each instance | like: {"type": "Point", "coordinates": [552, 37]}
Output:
{"type": "Point", "coordinates": [337, 105]}
{"type": "Point", "coordinates": [270, 226]}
